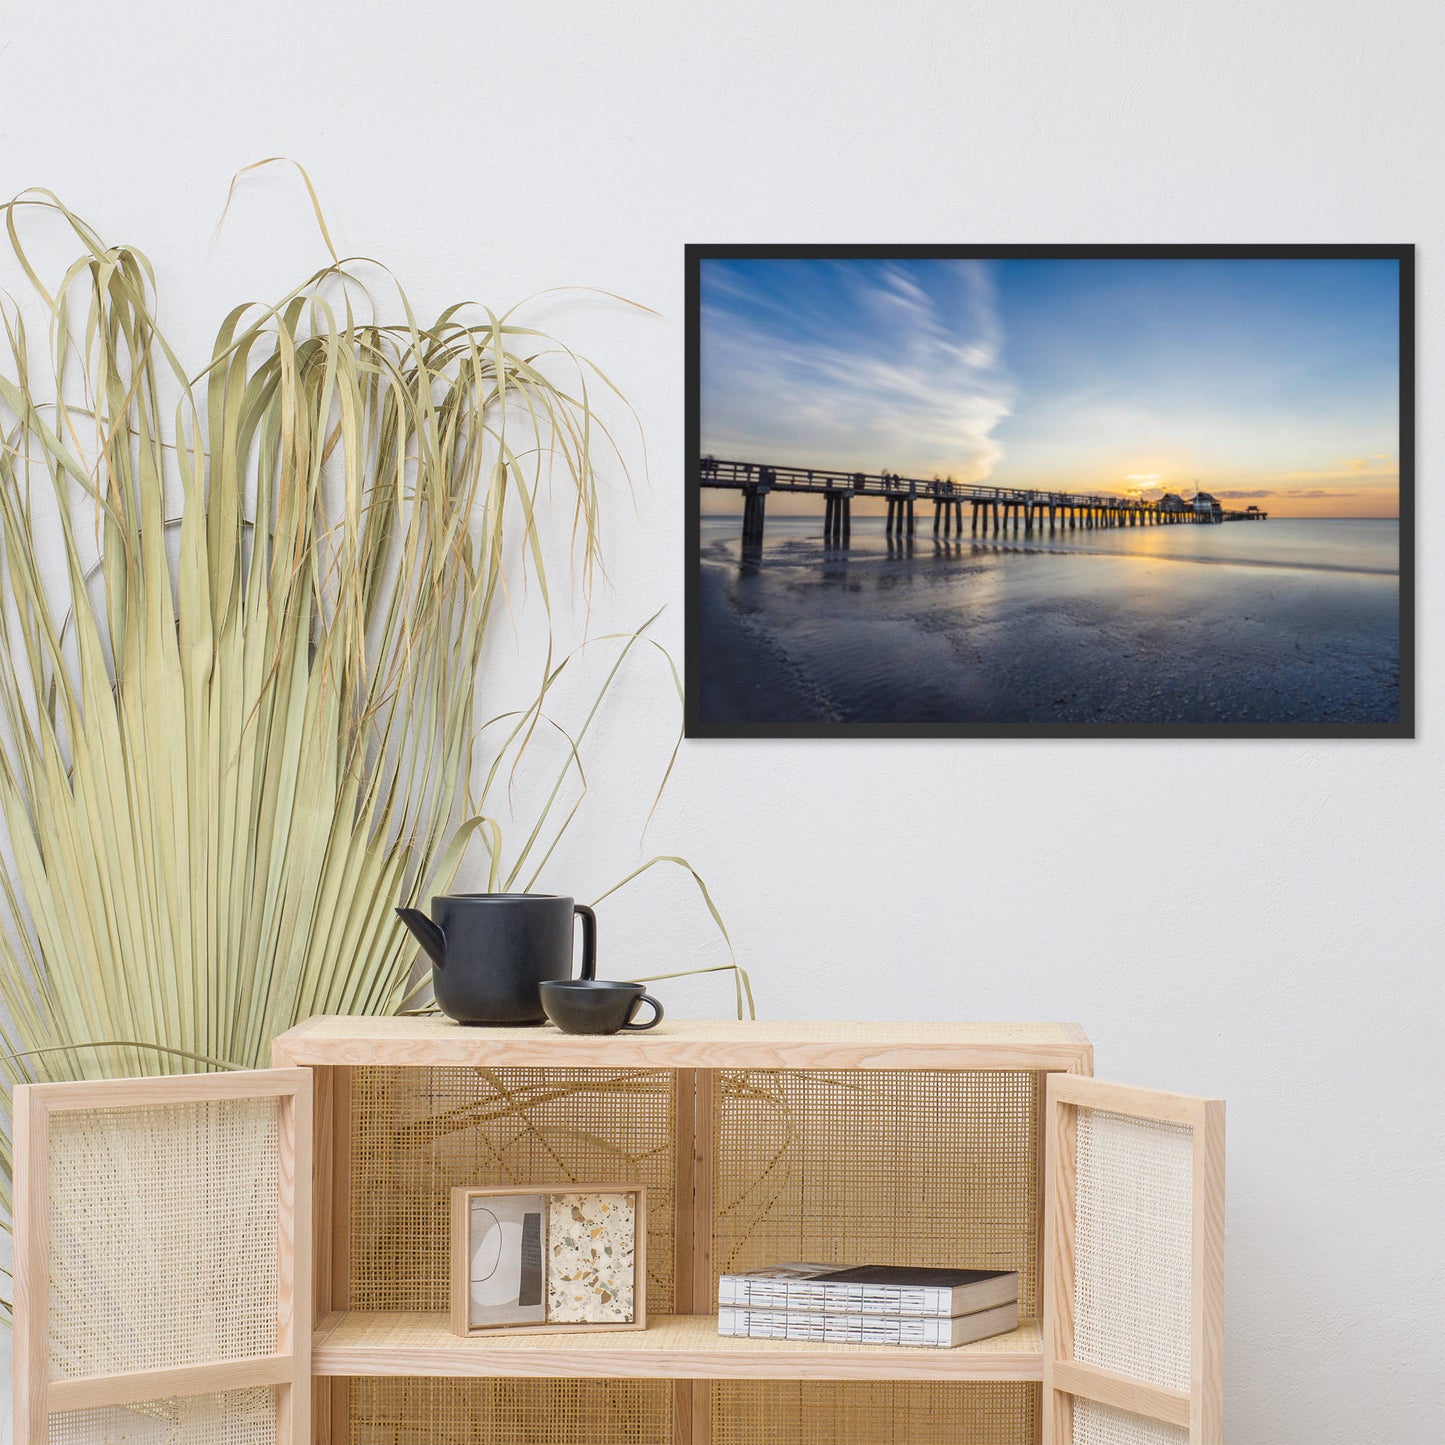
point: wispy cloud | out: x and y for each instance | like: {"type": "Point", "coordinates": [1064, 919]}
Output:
{"type": "Point", "coordinates": [1291, 493]}
{"type": "Point", "coordinates": [1352, 469]}
{"type": "Point", "coordinates": [866, 364]}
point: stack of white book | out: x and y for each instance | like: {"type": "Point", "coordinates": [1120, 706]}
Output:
{"type": "Point", "coordinates": [871, 1304]}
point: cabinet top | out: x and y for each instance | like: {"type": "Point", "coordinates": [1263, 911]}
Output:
{"type": "Point", "coordinates": [432, 1040]}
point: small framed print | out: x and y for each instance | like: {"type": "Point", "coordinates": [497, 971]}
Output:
{"type": "Point", "coordinates": [552, 1258]}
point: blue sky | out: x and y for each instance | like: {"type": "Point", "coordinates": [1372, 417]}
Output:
{"type": "Point", "coordinates": [1269, 380]}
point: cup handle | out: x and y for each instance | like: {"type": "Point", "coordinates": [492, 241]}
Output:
{"type": "Point", "coordinates": [589, 940]}
{"type": "Point", "coordinates": [653, 1022]}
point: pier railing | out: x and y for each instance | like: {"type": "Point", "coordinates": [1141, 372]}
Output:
{"type": "Point", "coordinates": [992, 508]}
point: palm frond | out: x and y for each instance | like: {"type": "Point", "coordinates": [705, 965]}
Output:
{"type": "Point", "coordinates": [243, 614]}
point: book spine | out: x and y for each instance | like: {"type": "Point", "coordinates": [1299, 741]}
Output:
{"type": "Point", "coordinates": [834, 1328]}
{"type": "Point", "coordinates": [743, 1292]}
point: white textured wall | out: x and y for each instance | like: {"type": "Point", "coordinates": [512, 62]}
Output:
{"type": "Point", "coordinates": [1258, 920]}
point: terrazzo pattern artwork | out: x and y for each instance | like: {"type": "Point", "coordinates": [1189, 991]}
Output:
{"type": "Point", "coordinates": [591, 1258]}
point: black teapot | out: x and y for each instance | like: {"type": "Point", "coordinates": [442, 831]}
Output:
{"type": "Point", "coordinates": [490, 952]}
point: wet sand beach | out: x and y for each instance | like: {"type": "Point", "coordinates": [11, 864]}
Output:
{"type": "Point", "coordinates": [1273, 622]}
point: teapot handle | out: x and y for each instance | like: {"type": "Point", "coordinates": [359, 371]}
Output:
{"type": "Point", "coordinates": [589, 940]}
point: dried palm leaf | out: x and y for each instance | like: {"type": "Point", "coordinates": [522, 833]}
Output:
{"type": "Point", "coordinates": [242, 616]}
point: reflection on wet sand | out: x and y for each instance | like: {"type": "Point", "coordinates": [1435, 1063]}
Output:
{"type": "Point", "coordinates": [1296, 622]}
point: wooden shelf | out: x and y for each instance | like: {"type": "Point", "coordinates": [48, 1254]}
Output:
{"type": "Point", "coordinates": [672, 1347]}
{"type": "Point", "coordinates": [688, 1044]}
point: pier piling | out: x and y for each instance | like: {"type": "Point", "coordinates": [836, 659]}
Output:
{"type": "Point", "coordinates": [754, 506]}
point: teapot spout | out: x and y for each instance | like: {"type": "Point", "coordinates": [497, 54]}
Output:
{"type": "Point", "coordinates": [431, 938]}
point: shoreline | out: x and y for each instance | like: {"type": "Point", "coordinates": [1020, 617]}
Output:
{"type": "Point", "coordinates": [743, 678]}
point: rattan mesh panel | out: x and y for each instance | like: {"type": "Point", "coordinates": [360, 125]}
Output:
{"type": "Point", "coordinates": [234, 1417]}
{"type": "Point", "coordinates": [1132, 1250]}
{"type": "Point", "coordinates": [1096, 1424]}
{"type": "Point", "coordinates": [163, 1235]}
{"type": "Point", "coordinates": [878, 1167]}
{"type": "Point", "coordinates": [405, 1411]}
{"type": "Point", "coordinates": [777, 1412]}
{"type": "Point", "coordinates": [416, 1133]}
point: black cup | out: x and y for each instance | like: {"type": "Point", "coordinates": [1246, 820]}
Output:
{"type": "Point", "coordinates": [595, 1006]}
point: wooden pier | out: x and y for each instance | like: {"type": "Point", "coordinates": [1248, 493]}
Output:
{"type": "Point", "coordinates": [990, 509]}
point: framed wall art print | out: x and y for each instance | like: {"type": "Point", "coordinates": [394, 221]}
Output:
{"type": "Point", "coordinates": [1060, 491]}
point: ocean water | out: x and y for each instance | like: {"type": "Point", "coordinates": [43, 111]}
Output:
{"type": "Point", "coordinates": [1275, 622]}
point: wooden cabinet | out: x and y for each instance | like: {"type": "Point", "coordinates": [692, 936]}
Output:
{"type": "Point", "coordinates": [982, 1144]}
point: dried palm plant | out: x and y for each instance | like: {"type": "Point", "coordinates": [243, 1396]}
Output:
{"type": "Point", "coordinates": [242, 615]}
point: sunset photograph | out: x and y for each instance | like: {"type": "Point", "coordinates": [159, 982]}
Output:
{"type": "Point", "coordinates": [1143, 492]}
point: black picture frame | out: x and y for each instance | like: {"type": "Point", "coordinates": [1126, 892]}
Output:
{"type": "Point", "coordinates": [697, 726]}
